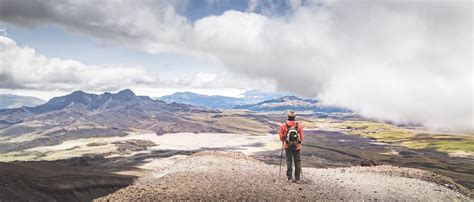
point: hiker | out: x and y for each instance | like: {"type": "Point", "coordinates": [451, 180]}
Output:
{"type": "Point", "coordinates": [291, 135]}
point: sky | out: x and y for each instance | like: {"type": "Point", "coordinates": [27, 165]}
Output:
{"type": "Point", "coordinates": [401, 61]}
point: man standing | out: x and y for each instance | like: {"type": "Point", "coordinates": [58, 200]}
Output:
{"type": "Point", "coordinates": [291, 134]}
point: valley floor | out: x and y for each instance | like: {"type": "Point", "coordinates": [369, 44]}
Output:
{"type": "Point", "coordinates": [330, 152]}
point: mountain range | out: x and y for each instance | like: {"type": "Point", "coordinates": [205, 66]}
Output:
{"type": "Point", "coordinates": [83, 115]}
{"type": "Point", "coordinates": [292, 103]}
{"type": "Point", "coordinates": [210, 101]}
{"type": "Point", "coordinates": [218, 101]}
{"type": "Point", "coordinates": [113, 106]}
{"type": "Point", "coordinates": [255, 101]}
{"type": "Point", "coordinates": [15, 101]}
{"type": "Point", "coordinates": [301, 106]}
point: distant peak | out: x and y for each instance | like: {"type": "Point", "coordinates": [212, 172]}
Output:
{"type": "Point", "coordinates": [126, 92]}
{"type": "Point", "coordinates": [78, 92]}
{"type": "Point", "coordinates": [77, 95]}
{"type": "Point", "coordinates": [186, 93]}
{"type": "Point", "coordinates": [290, 97]}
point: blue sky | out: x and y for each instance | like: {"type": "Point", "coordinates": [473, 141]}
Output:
{"type": "Point", "coordinates": [201, 8]}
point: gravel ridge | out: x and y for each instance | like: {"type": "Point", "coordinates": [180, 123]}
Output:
{"type": "Point", "coordinates": [217, 175]}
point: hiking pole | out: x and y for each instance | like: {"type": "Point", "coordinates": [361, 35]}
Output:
{"type": "Point", "coordinates": [281, 159]}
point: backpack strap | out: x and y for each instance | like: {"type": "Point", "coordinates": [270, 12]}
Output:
{"type": "Point", "coordinates": [299, 134]}
{"type": "Point", "coordinates": [286, 133]}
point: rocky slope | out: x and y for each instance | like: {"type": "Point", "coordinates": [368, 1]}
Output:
{"type": "Point", "coordinates": [232, 176]}
{"type": "Point", "coordinates": [49, 181]}
{"type": "Point", "coordinates": [94, 108]}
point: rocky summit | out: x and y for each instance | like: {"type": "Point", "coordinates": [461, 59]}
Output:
{"type": "Point", "coordinates": [211, 175]}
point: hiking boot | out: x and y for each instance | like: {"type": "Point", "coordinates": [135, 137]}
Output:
{"type": "Point", "coordinates": [289, 179]}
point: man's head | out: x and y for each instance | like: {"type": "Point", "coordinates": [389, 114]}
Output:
{"type": "Point", "coordinates": [291, 115]}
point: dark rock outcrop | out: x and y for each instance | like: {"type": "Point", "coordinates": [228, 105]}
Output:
{"type": "Point", "coordinates": [367, 163]}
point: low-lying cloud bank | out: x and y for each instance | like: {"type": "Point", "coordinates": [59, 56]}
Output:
{"type": "Point", "coordinates": [403, 61]}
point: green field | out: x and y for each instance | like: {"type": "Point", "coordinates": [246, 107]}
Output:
{"type": "Point", "coordinates": [447, 143]}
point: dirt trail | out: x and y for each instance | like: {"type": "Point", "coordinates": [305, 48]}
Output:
{"type": "Point", "coordinates": [213, 175]}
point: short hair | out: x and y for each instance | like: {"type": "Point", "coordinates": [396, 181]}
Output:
{"type": "Point", "coordinates": [291, 113]}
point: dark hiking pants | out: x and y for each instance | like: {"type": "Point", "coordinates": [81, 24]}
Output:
{"type": "Point", "coordinates": [292, 153]}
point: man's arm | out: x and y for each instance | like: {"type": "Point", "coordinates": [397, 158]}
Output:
{"type": "Point", "coordinates": [301, 131]}
{"type": "Point", "coordinates": [282, 133]}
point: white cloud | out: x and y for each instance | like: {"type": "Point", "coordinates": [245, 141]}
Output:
{"type": "Point", "coordinates": [198, 80]}
{"type": "Point", "coordinates": [405, 61]}
{"type": "Point", "coordinates": [25, 72]}
{"type": "Point", "coordinates": [29, 70]}
{"type": "Point", "coordinates": [154, 92]}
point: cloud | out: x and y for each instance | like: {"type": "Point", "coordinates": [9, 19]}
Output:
{"type": "Point", "coordinates": [134, 23]}
{"type": "Point", "coordinates": [22, 67]}
{"type": "Point", "coordinates": [6, 81]}
{"type": "Point", "coordinates": [198, 80]}
{"type": "Point", "coordinates": [403, 61]}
